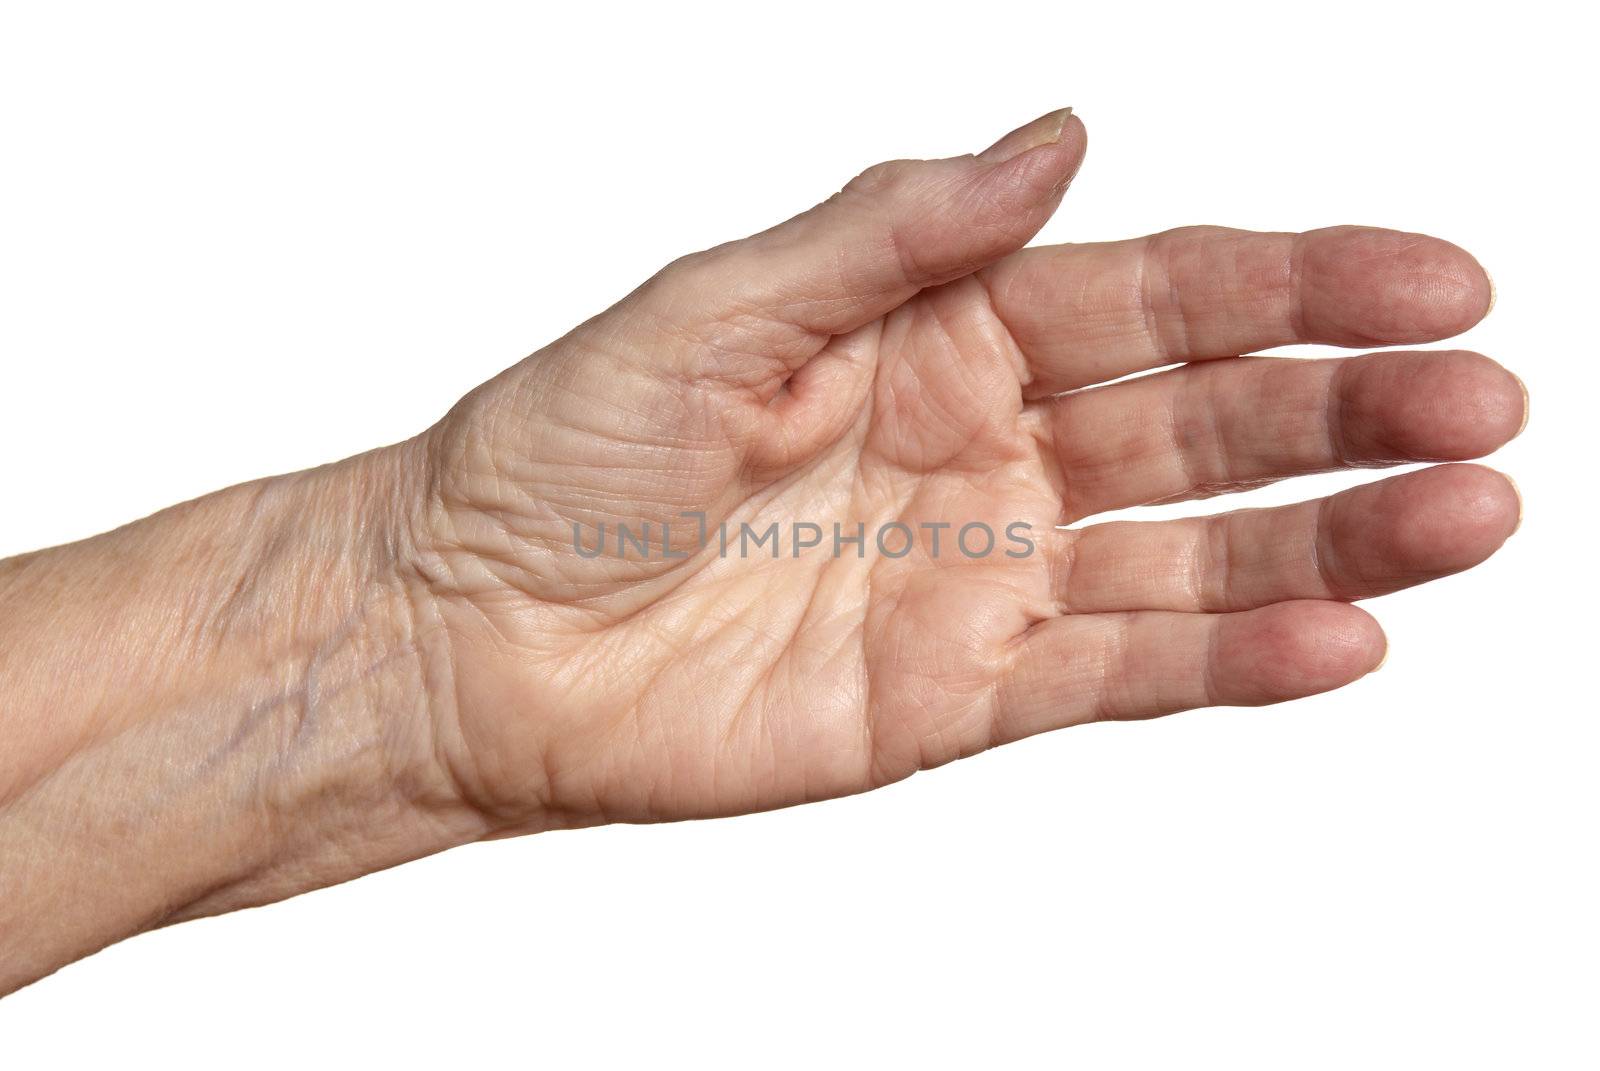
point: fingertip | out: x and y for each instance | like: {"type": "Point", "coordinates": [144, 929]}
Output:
{"type": "Point", "coordinates": [1527, 404]}
{"type": "Point", "coordinates": [1074, 137]}
{"type": "Point", "coordinates": [1492, 400]}
{"type": "Point", "coordinates": [1516, 490]}
{"type": "Point", "coordinates": [1437, 288]}
{"type": "Point", "coordinates": [1477, 508]}
{"type": "Point", "coordinates": [1413, 528]}
{"type": "Point", "coordinates": [1435, 522]}
{"type": "Point", "coordinates": [1450, 405]}
{"type": "Point", "coordinates": [1294, 649]}
{"type": "Point", "coordinates": [1336, 643]}
{"type": "Point", "coordinates": [1469, 291]}
{"type": "Point", "coordinates": [1393, 287]}
{"type": "Point", "coordinates": [1029, 171]}
{"type": "Point", "coordinates": [1049, 129]}
{"type": "Point", "coordinates": [1072, 145]}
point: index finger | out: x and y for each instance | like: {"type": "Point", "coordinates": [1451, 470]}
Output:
{"type": "Point", "coordinates": [1089, 313]}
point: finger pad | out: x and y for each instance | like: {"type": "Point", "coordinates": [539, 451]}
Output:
{"type": "Point", "coordinates": [1295, 649]}
{"type": "Point", "coordinates": [1365, 284]}
{"type": "Point", "coordinates": [1446, 519]}
{"type": "Point", "coordinates": [1448, 406]}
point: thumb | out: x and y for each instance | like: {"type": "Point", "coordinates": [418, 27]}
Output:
{"type": "Point", "coordinates": [893, 230]}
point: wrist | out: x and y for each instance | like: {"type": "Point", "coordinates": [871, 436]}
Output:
{"type": "Point", "coordinates": [246, 683]}
{"type": "Point", "coordinates": [338, 739]}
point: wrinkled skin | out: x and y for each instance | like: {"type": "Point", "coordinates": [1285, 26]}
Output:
{"type": "Point", "coordinates": [299, 680]}
{"type": "Point", "coordinates": [896, 355]}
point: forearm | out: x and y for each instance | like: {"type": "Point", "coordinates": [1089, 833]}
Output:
{"type": "Point", "coordinates": [219, 705]}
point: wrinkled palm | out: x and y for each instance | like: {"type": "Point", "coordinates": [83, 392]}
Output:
{"type": "Point", "coordinates": [893, 362]}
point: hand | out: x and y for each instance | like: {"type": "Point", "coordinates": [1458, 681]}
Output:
{"type": "Point", "coordinates": [891, 357]}
{"type": "Point", "coordinates": [294, 682]}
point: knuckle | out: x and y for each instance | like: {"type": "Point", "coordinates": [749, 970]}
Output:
{"type": "Point", "coordinates": [687, 270]}
{"type": "Point", "coordinates": [883, 178]}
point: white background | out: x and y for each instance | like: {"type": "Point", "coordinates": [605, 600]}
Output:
{"type": "Point", "coordinates": [235, 242]}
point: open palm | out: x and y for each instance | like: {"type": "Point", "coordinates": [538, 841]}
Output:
{"type": "Point", "coordinates": [885, 379]}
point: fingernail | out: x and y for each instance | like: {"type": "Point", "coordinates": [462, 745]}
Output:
{"type": "Point", "coordinates": [1527, 404]}
{"type": "Point", "coordinates": [1045, 130]}
{"type": "Point", "coordinates": [1493, 293]}
{"type": "Point", "coordinates": [1382, 660]}
{"type": "Point", "coordinates": [1518, 492]}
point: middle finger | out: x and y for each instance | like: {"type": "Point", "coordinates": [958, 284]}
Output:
{"type": "Point", "coordinates": [1229, 425]}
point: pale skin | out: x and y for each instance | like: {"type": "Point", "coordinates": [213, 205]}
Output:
{"type": "Point", "coordinates": [294, 682]}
